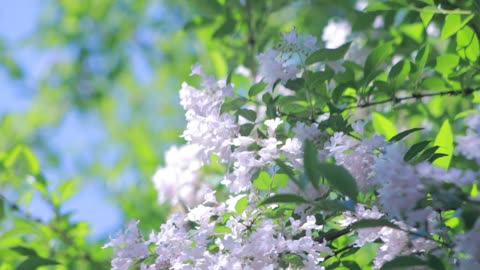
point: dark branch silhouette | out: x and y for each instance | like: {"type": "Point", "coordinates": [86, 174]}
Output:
{"type": "Point", "coordinates": [417, 96]}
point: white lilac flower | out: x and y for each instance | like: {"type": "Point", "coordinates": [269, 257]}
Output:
{"type": "Point", "coordinates": [260, 249]}
{"type": "Point", "coordinates": [357, 156]}
{"type": "Point", "coordinates": [293, 150]}
{"type": "Point", "coordinates": [433, 30]}
{"type": "Point", "coordinates": [395, 241]}
{"type": "Point", "coordinates": [246, 162]}
{"type": "Point", "coordinates": [129, 246]}
{"type": "Point", "coordinates": [180, 181]}
{"type": "Point", "coordinates": [207, 127]}
{"type": "Point", "coordinates": [365, 235]}
{"type": "Point", "coordinates": [290, 37]}
{"type": "Point", "coordinates": [468, 249]}
{"type": "Point", "coordinates": [307, 132]}
{"type": "Point", "coordinates": [272, 125]}
{"type": "Point", "coordinates": [398, 242]}
{"type": "Point", "coordinates": [359, 127]}
{"type": "Point", "coordinates": [469, 145]}
{"type": "Point", "coordinates": [272, 68]}
{"type": "Point", "coordinates": [292, 42]}
{"type": "Point", "coordinates": [360, 5]}
{"type": "Point", "coordinates": [401, 187]}
{"type": "Point", "coordinates": [258, 246]}
{"type": "Point", "coordinates": [286, 61]}
{"type": "Point", "coordinates": [378, 22]}
{"type": "Point", "coordinates": [310, 42]}
{"type": "Point", "coordinates": [335, 33]}
{"type": "Point", "coordinates": [436, 174]}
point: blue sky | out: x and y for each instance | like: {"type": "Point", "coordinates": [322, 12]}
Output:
{"type": "Point", "coordinates": [18, 20]}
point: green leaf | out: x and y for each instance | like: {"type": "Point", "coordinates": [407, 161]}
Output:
{"type": "Point", "coordinates": [331, 205]}
{"type": "Point", "coordinates": [324, 55]}
{"type": "Point", "coordinates": [399, 73]}
{"type": "Point", "coordinates": [436, 156]}
{"type": "Point", "coordinates": [427, 14]}
{"type": "Point", "coordinates": [226, 28]}
{"type": "Point", "coordinates": [420, 61]}
{"type": "Point", "coordinates": [428, 153]}
{"type": "Point", "coordinates": [310, 163]}
{"type": "Point", "coordinates": [403, 262]}
{"type": "Point", "coordinates": [447, 63]}
{"type": "Point", "coordinates": [284, 198]}
{"type": "Point", "coordinates": [279, 180]}
{"type": "Point", "coordinates": [435, 263]}
{"type": "Point", "coordinates": [444, 140]}
{"type": "Point", "coordinates": [284, 168]}
{"type": "Point", "coordinates": [33, 263]}
{"type": "Point", "coordinates": [414, 31]}
{"type": "Point", "coordinates": [64, 191]}
{"type": "Point", "coordinates": [295, 84]}
{"type": "Point", "coordinates": [197, 22]}
{"type": "Point", "coordinates": [246, 129]}
{"type": "Point", "coordinates": [470, 215]}
{"type": "Point", "coordinates": [376, 57]}
{"type": "Point", "coordinates": [340, 179]}
{"type": "Point", "coordinates": [465, 113]}
{"type": "Point", "coordinates": [25, 251]}
{"type": "Point", "coordinates": [404, 134]}
{"type": "Point", "coordinates": [256, 89]}
{"type": "Point", "coordinates": [23, 159]}
{"type": "Point", "coordinates": [468, 44]}
{"type": "Point", "coordinates": [32, 160]}
{"type": "Point", "coordinates": [233, 104]}
{"type": "Point", "coordinates": [383, 126]}
{"type": "Point", "coordinates": [314, 79]}
{"type": "Point", "coordinates": [379, 6]}
{"type": "Point", "coordinates": [221, 229]}
{"type": "Point", "coordinates": [351, 265]}
{"type": "Point", "coordinates": [241, 204]}
{"type": "Point", "coordinates": [453, 23]}
{"type": "Point", "coordinates": [291, 105]}
{"type": "Point", "coordinates": [248, 114]}
{"type": "Point", "coordinates": [263, 181]}
{"type": "Point", "coordinates": [371, 223]}
{"type": "Point", "coordinates": [384, 6]}
{"type": "Point", "coordinates": [415, 149]}
{"type": "Point", "coordinates": [433, 83]}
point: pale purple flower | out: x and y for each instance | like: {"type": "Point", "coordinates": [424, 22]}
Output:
{"type": "Point", "coordinates": [469, 145]}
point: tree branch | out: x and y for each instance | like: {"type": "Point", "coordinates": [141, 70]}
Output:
{"type": "Point", "coordinates": [417, 96]}
{"type": "Point", "coordinates": [336, 252]}
{"type": "Point", "coordinates": [332, 235]}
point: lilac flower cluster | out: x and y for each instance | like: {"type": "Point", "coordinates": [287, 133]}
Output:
{"type": "Point", "coordinates": [242, 233]}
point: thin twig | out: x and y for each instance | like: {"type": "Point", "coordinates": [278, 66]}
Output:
{"type": "Point", "coordinates": [332, 235]}
{"type": "Point", "coordinates": [417, 96]}
{"type": "Point", "coordinates": [442, 11]}
{"type": "Point", "coordinates": [336, 252]}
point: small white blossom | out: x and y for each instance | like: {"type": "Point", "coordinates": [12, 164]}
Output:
{"type": "Point", "coordinates": [335, 33]}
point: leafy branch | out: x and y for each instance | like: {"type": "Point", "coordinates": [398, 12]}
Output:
{"type": "Point", "coordinates": [16, 208]}
{"type": "Point", "coordinates": [55, 227]}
